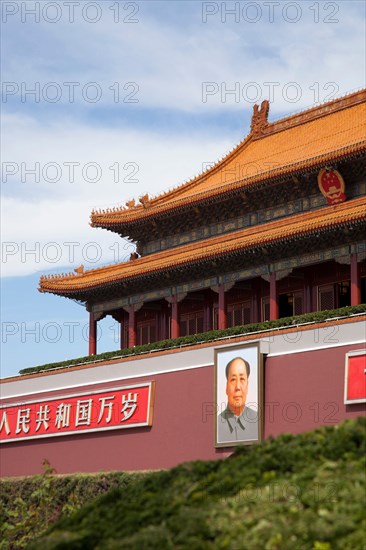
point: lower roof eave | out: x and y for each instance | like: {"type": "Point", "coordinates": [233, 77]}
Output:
{"type": "Point", "coordinates": [265, 254]}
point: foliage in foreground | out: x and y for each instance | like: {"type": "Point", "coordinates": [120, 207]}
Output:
{"type": "Point", "coordinates": [29, 505]}
{"type": "Point", "coordinates": [294, 492]}
{"type": "Point", "coordinates": [314, 317]}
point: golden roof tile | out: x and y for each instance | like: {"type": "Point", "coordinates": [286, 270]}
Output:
{"type": "Point", "coordinates": [309, 139]}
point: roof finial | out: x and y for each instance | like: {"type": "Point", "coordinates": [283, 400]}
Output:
{"type": "Point", "coordinates": [79, 270]}
{"type": "Point", "coordinates": [131, 203]}
{"type": "Point", "coordinates": [145, 201]}
{"type": "Point", "coordinates": [259, 119]}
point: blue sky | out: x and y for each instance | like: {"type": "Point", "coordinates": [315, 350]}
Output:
{"type": "Point", "coordinates": [132, 98]}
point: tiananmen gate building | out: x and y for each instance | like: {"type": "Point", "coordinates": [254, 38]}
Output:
{"type": "Point", "coordinates": [275, 230]}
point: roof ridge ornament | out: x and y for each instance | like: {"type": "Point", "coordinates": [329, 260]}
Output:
{"type": "Point", "coordinates": [145, 201]}
{"type": "Point", "coordinates": [79, 270]}
{"type": "Point", "coordinates": [131, 203]}
{"type": "Point", "coordinates": [259, 119]}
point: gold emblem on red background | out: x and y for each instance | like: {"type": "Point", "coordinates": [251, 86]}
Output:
{"type": "Point", "coordinates": [331, 185]}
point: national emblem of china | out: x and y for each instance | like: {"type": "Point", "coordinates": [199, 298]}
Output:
{"type": "Point", "coordinates": [332, 186]}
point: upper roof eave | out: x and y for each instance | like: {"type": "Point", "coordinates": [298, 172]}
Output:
{"type": "Point", "coordinates": [199, 189]}
{"type": "Point", "coordinates": [125, 218]}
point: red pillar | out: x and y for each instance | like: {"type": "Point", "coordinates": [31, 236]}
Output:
{"type": "Point", "coordinates": [307, 294]}
{"type": "Point", "coordinates": [355, 281]}
{"type": "Point", "coordinates": [92, 335]}
{"type": "Point", "coordinates": [273, 297]}
{"type": "Point", "coordinates": [222, 308]}
{"type": "Point", "coordinates": [122, 330]}
{"type": "Point", "coordinates": [131, 327]}
{"type": "Point", "coordinates": [163, 323]}
{"type": "Point", "coordinates": [175, 318]}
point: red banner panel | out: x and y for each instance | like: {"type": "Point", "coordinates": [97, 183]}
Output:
{"type": "Point", "coordinates": [355, 377]}
{"type": "Point", "coordinates": [127, 407]}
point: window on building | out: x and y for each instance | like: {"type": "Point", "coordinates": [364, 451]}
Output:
{"type": "Point", "coordinates": [146, 332]}
{"type": "Point", "coordinates": [343, 291]}
{"type": "Point", "coordinates": [334, 295]}
{"type": "Point", "coordinates": [239, 314]}
{"type": "Point", "coordinates": [326, 297]}
{"type": "Point", "coordinates": [290, 304]}
{"type": "Point", "coordinates": [191, 323]}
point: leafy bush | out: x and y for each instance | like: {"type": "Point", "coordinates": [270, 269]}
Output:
{"type": "Point", "coordinates": [305, 491]}
{"type": "Point", "coordinates": [29, 505]}
{"type": "Point", "coordinates": [318, 316]}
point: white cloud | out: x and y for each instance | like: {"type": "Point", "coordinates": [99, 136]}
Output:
{"type": "Point", "coordinates": [35, 214]}
{"type": "Point", "coordinates": [169, 62]}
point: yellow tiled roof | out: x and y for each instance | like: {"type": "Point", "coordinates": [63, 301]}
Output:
{"type": "Point", "coordinates": [293, 227]}
{"type": "Point", "coordinates": [309, 139]}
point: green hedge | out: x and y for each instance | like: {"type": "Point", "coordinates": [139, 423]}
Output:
{"type": "Point", "coordinates": [302, 491]}
{"type": "Point", "coordinates": [29, 505]}
{"type": "Point", "coordinates": [212, 335]}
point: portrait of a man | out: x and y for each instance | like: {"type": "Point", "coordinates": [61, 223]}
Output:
{"type": "Point", "coordinates": [238, 420]}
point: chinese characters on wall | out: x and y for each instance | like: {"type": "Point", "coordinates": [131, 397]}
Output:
{"type": "Point", "coordinates": [113, 409]}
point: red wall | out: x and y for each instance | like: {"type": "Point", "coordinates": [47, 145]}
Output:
{"type": "Point", "coordinates": [306, 390]}
{"type": "Point", "coordinates": [301, 392]}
